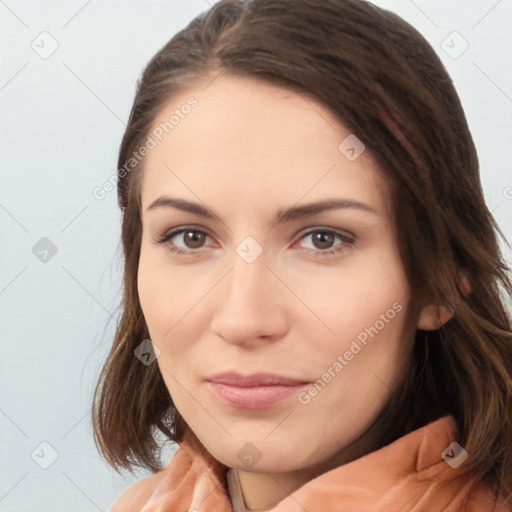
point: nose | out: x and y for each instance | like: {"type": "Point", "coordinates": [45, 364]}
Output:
{"type": "Point", "coordinates": [251, 304]}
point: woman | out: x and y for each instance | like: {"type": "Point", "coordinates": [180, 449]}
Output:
{"type": "Point", "coordinates": [312, 305]}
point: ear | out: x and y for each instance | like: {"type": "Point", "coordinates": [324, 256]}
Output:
{"type": "Point", "coordinates": [433, 316]}
{"type": "Point", "coordinates": [465, 285]}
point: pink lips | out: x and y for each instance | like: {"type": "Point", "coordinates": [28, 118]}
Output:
{"type": "Point", "coordinates": [257, 391]}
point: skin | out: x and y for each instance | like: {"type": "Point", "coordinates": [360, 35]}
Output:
{"type": "Point", "coordinates": [246, 151]}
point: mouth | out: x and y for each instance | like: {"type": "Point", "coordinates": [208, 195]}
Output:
{"type": "Point", "coordinates": [256, 391]}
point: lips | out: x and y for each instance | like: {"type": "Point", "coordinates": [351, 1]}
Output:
{"type": "Point", "coordinates": [256, 391]}
{"type": "Point", "coordinates": [257, 379]}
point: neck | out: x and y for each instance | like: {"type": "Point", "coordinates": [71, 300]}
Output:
{"type": "Point", "coordinates": [263, 491]}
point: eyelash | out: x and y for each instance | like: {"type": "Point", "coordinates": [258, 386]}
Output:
{"type": "Point", "coordinates": [346, 239]}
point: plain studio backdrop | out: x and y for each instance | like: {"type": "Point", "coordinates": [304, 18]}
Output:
{"type": "Point", "coordinates": [67, 81]}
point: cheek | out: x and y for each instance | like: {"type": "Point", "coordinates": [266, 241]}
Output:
{"type": "Point", "coordinates": [165, 295]}
{"type": "Point", "coordinates": [364, 308]}
{"type": "Point", "coordinates": [159, 303]}
{"type": "Point", "coordinates": [151, 297]}
{"type": "Point", "coordinates": [348, 299]}
{"type": "Point", "coordinates": [169, 299]}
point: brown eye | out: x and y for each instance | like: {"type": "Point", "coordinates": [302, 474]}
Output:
{"type": "Point", "coordinates": [322, 242]}
{"type": "Point", "coordinates": [194, 239]}
{"type": "Point", "coordinates": [191, 240]}
{"type": "Point", "coordinates": [323, 239]}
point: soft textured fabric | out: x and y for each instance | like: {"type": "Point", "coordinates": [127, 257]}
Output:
{"type": "Point", "coordinates": [387, 480]}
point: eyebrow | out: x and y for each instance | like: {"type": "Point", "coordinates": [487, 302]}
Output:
{"type": "Point", "coordinates": [285, 215]}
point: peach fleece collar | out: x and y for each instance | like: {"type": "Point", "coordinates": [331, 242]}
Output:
{"type": "Point", "coordinates": [392, 479]}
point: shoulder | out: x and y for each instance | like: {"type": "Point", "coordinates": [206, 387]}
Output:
{"type": "Point", "coordinates": [139, 494]}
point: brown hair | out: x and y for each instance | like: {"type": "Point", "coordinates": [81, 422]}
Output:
{"type": "Point", "coordinates": [389, 87]}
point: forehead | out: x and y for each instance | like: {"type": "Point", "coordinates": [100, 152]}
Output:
{"type": "Point", "coordinates": [247, 134]}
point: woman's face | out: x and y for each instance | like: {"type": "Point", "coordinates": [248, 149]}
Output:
{"type": "Point", "coordinates": [317, 296]}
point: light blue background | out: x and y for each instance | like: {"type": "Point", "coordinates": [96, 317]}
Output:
{"type": "Point", "coordinates": [61, 123]}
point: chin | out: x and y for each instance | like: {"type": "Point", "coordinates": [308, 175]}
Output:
{"type": "Point", "coordinates": [261, 457]}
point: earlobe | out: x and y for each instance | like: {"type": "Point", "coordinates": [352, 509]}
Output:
{"type": "Point", "coordinates": [432, 317]}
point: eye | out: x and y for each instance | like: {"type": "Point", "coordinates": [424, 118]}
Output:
{"type": "Point", "coordinates": [323, 239]}
{"type": "Point", "coordinates": [193, 240]}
